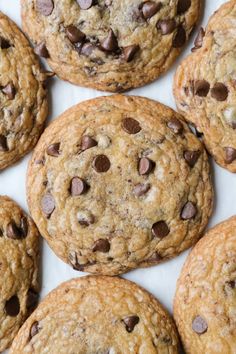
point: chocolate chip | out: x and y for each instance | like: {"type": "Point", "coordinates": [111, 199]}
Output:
{"type": "Point", "coordinates": [32, 299]}
{"type": "Point", "coordinates": [129, 52]}
{"type": "Point", "coordinates": [3, 143]}
{"type": "Point", "coordinates": [87, 142]}
{"type": "Point", "coordinates": [101, 163]}
{"type": "Point", "coordinates": [150, 8]}
{"type": "Point", "coordinates": [201, 88]}
{"type": "Point", "coordinates": [101, 245]}
{"type": "Point", "coordinates": [219, 92]}
{"type": "Point", "coordinates": [199, 39]}
{"type": "Point", "coordinates": [189, 211]}
{"type": "Point", "coordinates": [85, 218]}
{"type": "Point", "coordinates": [141, 189]}
{"type": "Point", "coordinates": [179, 38]}
{"type": "Point", "coordinates": [166, 26]}
{"type": "Point", "coordinates": [199, 325]}
{"type": "Point", "coordinates": [41, 50]}
{"type": "Point", "coordinates": [48, 204]}
{"type": "Point", "coordinates": [78, 186]}
{"type": "Point", "coordinates": [110, 44]}
{"type": "Point", "coordinates": [9, 90]}
{"type": "Point", "coordinates": [24, 226]}
{"type": "Point", "coordinates": [74, 34]}
{"type": "Point", "coordinates": [45, 7]}
{"type": "Point", "coordinates": [130, 322]}
{"type": "Point", "coordinates": [175, 125]}
{"type": "Point", "coordinates": [4, 43]}
{"type": "Point", "coordinates": [160, 229]}
{"type": "Point", "coordinates": [231, 284]}
{"type": "Point", "coordinates": [13, 231]}
{"type": "Point", "coordinates": [12, 306]}
{"type": "Point", "coordinates": [145, 166]}
{"type": "Point", "coordinates": [53, 150]}
{"type": "Point", "coordinates": [85, 4]}
{"type": "Point", "coordinates": [87, 49]}
{"type": "Point", "coordinates": [34, 329]}
{"type": "Point", "coordinates": [183, 6]}
{"type": "Point", "coordinates": [191, 157]}
{"type": "Point", "coordinates": [131, 126]}
{"type": "Point", "coordinates": [230, 155]}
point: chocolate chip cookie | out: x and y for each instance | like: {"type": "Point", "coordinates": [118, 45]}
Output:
{"type": "Point", "coordinates": [19, 250]}
{"type": "Point", "coordinates": [98, 315]}
{"type": "Point", "coordinates": [205, 300]}
{"type": "Point", "coordinates": [22, 94]}
{"type": "Point", "coordinates": [109, 45]}
{"type": "Point", "coordinates": [205, 86]}
{"type": "Point", "coordinates": [117, 183]}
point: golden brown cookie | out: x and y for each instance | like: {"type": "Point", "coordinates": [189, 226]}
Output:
{"type": "Point", "coordinates": [19, 252]}
{"type": "Point", "coordinates": [117, 183]}
{"type": "Point", "coordinates": [22, 94]}
{"type": "Point", "coordinates": [101, 315]}
{"type": "Point", "coordinates": [106, 44]}
{"type": "Point", "coordinates": [204, 86]}
{"type": "Point", "coordinates": [205, 299]}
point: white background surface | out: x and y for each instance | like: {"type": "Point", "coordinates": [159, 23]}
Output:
{"type": "Point", "coordinates": [159, 280]}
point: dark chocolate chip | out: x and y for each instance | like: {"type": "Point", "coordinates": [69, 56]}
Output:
{"type": "Point", "coordinates": [34, 329]}
{"type": "Point", "coordinates": [53, 150]}
{"type": "Point", "coordinates": [110, 44]}
{"type": "Point", "coordinates": [48, 204]}
{"type": "Point", "coordinates": [3, 143]}
{"type": "Point", "coordinates": [131, 126]}
{"type": "Point", "coordinates": [74, 34]}
{"type": "Point", "coordinates": [32, 299]}
{"type": "Point", "coordinates": [145, 166]}
{"type": "Point", "coordinates": [85, 4]}
{"type": "Point", "coordinates": [166, 26]}
{"type": "Point", "coordinates": [24, 226]}
{"type": "Point", "coordinates": [230, 155]}
{"type": "Point", "coordinates": [41, 50]}
{"type": "Point", "coordinates": [78, 186]}
{"type": "Point", "coordinates": [129, 52]}
{"type": "Point", "coordinates": [175, 125]}
{"type": "Point", "coordinates": [87, 49]}
{"type": "Point", "coordinates": [191, 157]}
{"type": "Point", "coordinates": [130, 322]}
{"type": "Point", "coordinates": [12, 306]}
{"type": "Point", "coordinates": [150, 8]}
{"type": "Point", "coordinates": [219, 92]}
{"type": "Point", "coordinates": [9, 90]}
{"type": "Point", "coordinates": [189, 211]}
{"type": "Point", "coordinates": [45, 7]}
{"type": "Point", "coordinates": [199, 325]}
{"type": "Point", "coordinates": [4, 43]}
{"type": "Point", "coordinates": [87, 142]}
{"type": "Point", "coordinates": [183, 6]}
{"type": "Point", "coordinates": [101, 163]}
{"type": "Point", "coordinates": [141, 189]}
{"type": "Point", "coordinates": [160, 229]}
{"type": "Point", "coordinates": [101, 245]}
{"type": "Point", "coordinates": [201, 88]}
{"type": "Point", "coordinates": [199, 39]}
{"type": "Point", "coordinates": [179, 37]}
{"type": "Point", "coordinates": [13, 231]}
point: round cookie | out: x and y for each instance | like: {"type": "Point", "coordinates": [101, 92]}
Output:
{"type": "Point", "coordinates": [109, 45]}
{"type": "Point", "coordinates": [117, 183]}
{"type": "Point", "coordinates": [19, 252]}
{"type": "Point", "coordinates": [204, 86]}
{"type": "Point", "coordinates": [22, 94]}
{"type": "Point", "coordinates": [98, 315]}
{"type": "Point", "coordinates": [205, 299]}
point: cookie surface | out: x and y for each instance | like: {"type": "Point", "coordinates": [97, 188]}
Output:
{"type": "Point", "coordinates": [109, 45]}
{"type": "Point", "coordinates": [98, 315]}
{"type": "Point", "coordinates": [205, 300]}
{"type": "Point", "coordinates": [22, 94]}
{"type": "Point", "coordinates": [117, 183]}
{"type": "Point", "coordinates": [19, 251]}
{"type": "Point", "coordinates": [205, 89]}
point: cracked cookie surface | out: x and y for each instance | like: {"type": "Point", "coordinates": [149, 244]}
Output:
{"type": "Point", "coordinates": [101, 315]}
{"type": "Point", "coordinates": [117, 183]}
{"type": "Point", "coordinates": [19, 252]}
{"type": "Point", "coordinates": [22, 94]}
{"type": "Point", "coordinates": [205, 88]}
{"type": "Point", "coordinates": [205, 300]}
{"type": "Point", "coordinates": [109, 45]}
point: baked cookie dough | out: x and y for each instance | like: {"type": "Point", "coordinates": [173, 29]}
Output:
{"type": "Point", "coordinates": [205, 86]}
{"type": "Point", "coordinates": [205, 300]}
{"type": "Point", "coordinates": [22, 94]}
{"type": "Point", "coordinates": [117, 183]}
{"type": "Point", "coordinates": [19, 251]}
{"type": "Point", "coordinates": [98, 315]}
{"type": "Point", "coordinates": [109, 45]}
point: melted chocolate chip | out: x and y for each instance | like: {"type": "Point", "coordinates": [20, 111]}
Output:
{"type": "Point", "coordinates": [191, 157]}
{"type": "Point", "coordinates": [131, 126]}
{"type": "Point", "coordinates": [3, 143]}
{"type": "Point", "coordinates": [48, 204]}
{"type": "Point", "coordinates": [53, 150]}
{"type": "Point", "coordinates": [166, 26]}
{"type": "Point", "coordinates": [78, 186]}
{"type": "Point", "coordinates": [41, 50]}
{"type": "Point", "coordinates": [101, 245]}
{"type": "Point", "coordinates": [129, 52]}
{"type": "Point", "coordinates": [12, 306]}
{"type": "Point", "coordinates": [87, 142]}
{"type": "Point", "coordinates": [145, 166]}
{"type": "Point", "coordinates": [189, 211]}
{"type": "Point", "coordinates": [34, 329]}
{"type": "Point", "coordinates": [179, 38]}
{"type": "Point", "coordinates": [150, 8]}
{"type": "Point", "coordinates": [201, 88]}
{"type": "Point", "coordinates": [110, 44]}
{"type": "Point", "coordinates": [101, 163]}
{"type": "Point", "coordinates": [74, 34]}
{"type": "Point", "coordinates": [160, 229]}
{"type": "Point", "coordinates": [85, 4]}
{"type": "Point", "coordinates": [199, 39]}
{"type": "Point", "coordinates": [175, 125]}
{"type": "Point", "coordinates": [45, 7]}
{"type": "Point", "coordinates": [13, 231]}
{"type": "Point", "coordinates": [130, 322]}
{"type": "Point", "coordinates": [183, 6]}
{"type": "Point", "coordinates": [141, 189]}
{"type": "Point", "coordinates": [9, 90]}
{"type": "Point", "coordinates": [230, 155]}
{"type": "Point", "coordinates": [87, 49]}
{"type": "Point", "coordinates": [4, 43]}
{"type": "Point", "coordinates": [199, 325]}
{"type": "Point", "coordinates": [219, 92]}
